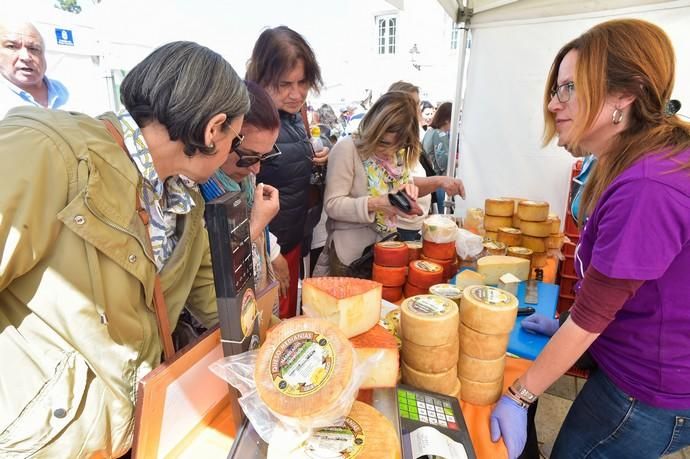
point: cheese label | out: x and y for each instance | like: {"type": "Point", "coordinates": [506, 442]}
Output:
{"type": "Point", "coordinates": [489, 295]}
{"type": "Point", "coordinates": [429, 306]}
{"type": "Point", "coordinates": [447, 290]}
{"type": "Point", "coordinates": [520, 250]}
{"type": "Point", "coordinates": [302, 364]}
{"type": "Point", "coordinates": [428, 267]}
{"type": "Point", "coordinates": [391, 244]}
{"type": "Point", "coordinates": [248, 312]}
{"type": "Point", "coordinates": [336, 442]}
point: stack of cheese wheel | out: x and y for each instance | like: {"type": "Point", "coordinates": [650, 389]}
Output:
{"type": "Point", "coordinates": [556, 238]}
{"type": "Point", "coordinates": [487, 317]}
{"type": "Point", "coordinates": [422, 274]}
{"type": "Point", "coordinates": [438, 243]}
{"type": "Point", "coordinates": [414, 250]}
{"type": "Point", "coordinates": [429, 329]}
{"type": "Point", "coordinates": [390, 268]}
{"type": "Point", "coordinates": [498, 213]}
{"type": "Point", "coordinates": [536, 228]}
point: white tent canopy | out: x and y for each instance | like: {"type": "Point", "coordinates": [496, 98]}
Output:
{"type": "Point", "coordinates": [512, 47]}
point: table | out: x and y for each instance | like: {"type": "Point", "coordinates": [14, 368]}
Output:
{"type": "Point", "coordinates": [529, 345]}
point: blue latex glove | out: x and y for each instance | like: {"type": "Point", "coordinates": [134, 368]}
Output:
{"type": "Point", "coordinates": [538, 323]}
{"type": "Point", "coordinates": [509, 420]}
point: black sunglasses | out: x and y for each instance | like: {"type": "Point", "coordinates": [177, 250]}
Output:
{"type": "Point", "coordinates": [250, 158]}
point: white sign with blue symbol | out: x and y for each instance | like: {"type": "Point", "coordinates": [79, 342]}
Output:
{"type": "Point", "coordinates": [64, 37]}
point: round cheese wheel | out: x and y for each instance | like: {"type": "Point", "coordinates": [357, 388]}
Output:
{"type": "Point", "coordinates": [439, 251]}
{"type": "Point", "coordinates": [410, 290]}
{"type": "Point", "coordinates": [509, 236]}
{"type": "Point", "coordinates": [424, 273]}
{"type": "Point", "coordinates": [493, 223]}
{"type": "Point", "coordinates": [456, 390]}
{"type": "Point", "coordinates": [480, 345]}
{"type": "Point", "coordinates": [516, 220]}
{"type": "Point", "coordinates": [365, 434]}
{"type": "Point", "coordinates": [539, 259]}
{"type": "Point", "coordinates": [480, 393]}
{"type": "Point", "coordinates": [555, 241]}
{"type": "Point", "coordinates": [389, 276]}
{"type": "Point", "coordinates": [480, 370]}
{"type": "Point", "coordinates": [555, 221]}
{"type": "Point", "coordinates": [537, 244]}
{"type": "Point", "coordinates": [449, 266]}
{"type": "Point", "coordinates": [495, 248]}
{"type": "Point", "coordinates": [438, 228]}
{"type": "Point", "coordinates": [430, 359]}
{"type": "Point", "coordinates": [488, 310]}
{"type": "Point", "coordinates": [443, 383]}
{"type": "Point", "coordinates": [533, 211]}
{"type": "Point", "coordinates": [391, 294]}
{"type": "Point", "coordinates": [536, 229]}
{"type": "Point", "coordinates": [391, 253]}
{"type": "Point", "coordinates": [490, 235]}
{"type": "Point", "coordinates": [450, 291]}
{"type": "Point", "coordinates": [499, 207]}
{"type": "Point", "coordinates": [429, 320]}
{"type": "Point", "coordinates": [303, 367]}
{"type": "Point", "coordinates": [414, 250]}
{"type": "Point", "coordinates": [520, 252]}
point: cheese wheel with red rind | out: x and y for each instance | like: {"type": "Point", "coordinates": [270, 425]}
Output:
{"type": "Point", "coordinates": [430, 359]}
{"type": "Point", "coordinates": [536, 244]}
{"type": "Point", "coordinates": [439, 251]}
{"type": "Point", "coordinates": [391, 294]}
{"type": "Point", "coordinates": [480, 345]}
{"type": "Point", "coordinates": [533, 211]}
{"type": "Point", "coordinates": [535, 229]}
{"type": "Point", "coordinates": [424, 274]}
{"type": "Point", "coordinates": [447, 265]}
{"type": "Point", "coordinates": [499, 207]}
{"type": "Point", "coordinates": [303, 368]}
{"type": "Point", "coordinates": [480, 393]}
{"type": "Point", "coordinates": [488, 310]}
{"type": "Point", "coordinates": [443, 383]}
{"type": "Point", "coordinates": [492, 223]}
{"type": "Point", "coordinates": [509, 236]}
{"type": "Point", "coordinates": [480, 370]}
{"type": "Point", "coordinates": [389, 276]}
{"type": "Point", "coordinates": [391, 254]}
{"type": "Point", "coordinates": [429, 320]}
{"type": "Point", "coordinates": [410, 290]}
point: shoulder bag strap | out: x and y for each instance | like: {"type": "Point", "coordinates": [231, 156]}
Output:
{"type": "Point", "coordinates": [159, 305]}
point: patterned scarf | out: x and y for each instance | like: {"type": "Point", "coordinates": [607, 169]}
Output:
{"type": "Point", "coordinates": [383, 177]}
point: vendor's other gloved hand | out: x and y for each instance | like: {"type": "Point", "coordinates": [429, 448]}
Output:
{"type": "Point", "coordinates": [537, 323]}
{"type": "Point", "coordinates": [509, 420]}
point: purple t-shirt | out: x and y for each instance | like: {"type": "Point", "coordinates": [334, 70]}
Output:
{"type": "Point", "coordinates": [640, 229]}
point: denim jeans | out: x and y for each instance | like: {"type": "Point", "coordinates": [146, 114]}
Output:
{"type": "Point", "coordinates": [604, 422]}
{"type": "Point", "coordinates": [409, 235]}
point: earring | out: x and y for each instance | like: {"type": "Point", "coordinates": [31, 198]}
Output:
{"type": "Point", "coordinates": [211, 146]}
{"type": "Point", "coordinates": [617, 116]}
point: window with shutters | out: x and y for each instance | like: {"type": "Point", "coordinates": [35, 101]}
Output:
{"type": "Point", "coordinates": [387, 27]}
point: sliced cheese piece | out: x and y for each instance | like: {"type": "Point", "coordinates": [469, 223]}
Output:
{"type": "Point", "coordinates": [533, 211]}
{"type": "Point", "coordinates": [495, 248]}
{"type": "Point", "coordinates": [488, 310]}
{"type": "Point", "coordinates": [389, 276]}
{"type": "Point", "coordinates": [480, 393]}
{"type": "Point", "coordinates": [509, 282]}
{"type": "Point", "coordinates": [481, 345]}
{"type": "Point", "coordinates": [385, 372]}
{"type": "Point", "coordinates": [499, 207]}
{"type": "Point", "coordinates": [438, 228]}
{"type": "Point", "coordinates": [493, 223]}
{"type": "Point", "coordinates": [354, 305]}
{"type": "Point", "coordinates": [303, 367]}
{"type": "Point", "coordinates": [391, 294]}
{"type": "Point", "coordinates": [414, 250]}
{"type": "Point", "coordinates": [429, 320]}
{"type": "Point", "coordinates": [555, 221]}
{"type": "Point", "coordinates": [365, 434]}
{"type": "Point", "coordinates": [439, 251]}
{"type": "Point", "coordinates": [391, 253]}
{"type": "Point", "coordinates": [509, 236]}
{"type": "Point", "coordinates": [536, 244]}
{"type": "Point", "coordinates": [410, 290]}
{"type": "Point", "coordinates": [450, 291]}
{"type": "Point", "coordinates": [493, 267]}
{"type": "Point", "coordinates": [443, 382]}
{"type": "Point", "coordinates": [480, 370]}
{"type": "Point", "coordinates": [424, 273]}
{"type": "Point", "coordinates": [467, 277]}
{"type": "Point", "coordinates": [430, 359]}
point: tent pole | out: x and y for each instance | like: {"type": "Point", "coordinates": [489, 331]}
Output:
{"type": "Point", "coordinates": [464, 16]}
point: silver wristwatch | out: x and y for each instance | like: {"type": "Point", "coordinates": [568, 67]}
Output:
{"type": "Point", "coordinates": [521, 392]}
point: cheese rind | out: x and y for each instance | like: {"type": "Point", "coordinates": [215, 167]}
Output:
{"type": "Point", "coordinates": [555, 221]}
{"type": "Point", "coordinates": [492, 223]}
{"type": "Point", "coordinates": [480, 370]}
{"type": "Point", "coordinates": [493, 267]}
{"type": "Point", "coordinates": [430, 359]}
{"type": "Point", "coordinates": [509, 236]}
{"type": "Point", "coordinates": [443, 383]}
{"type": "Point", "coordinates": [539, 259]}
{"type": "Point", "coordinates": [499, 207]}
{"type": "Point", "coordinates": [354, 305]}
{"type": "Point", "coordinates": [414, 250]}
{"type": "Point", "coordinates": [410, 290]}
{"type": "Point", "coordinates": [424, 274]}
{"type": "Point", "coordinates": [391, 253]}
{"type": "Point", "coordinates": [389, 276]}
{"type": "Point", "coordinates": [391, 294]}
{"type": "Point", "coordinates": [491, 235]}
{"type": "Point", "coordinates": [385, 372]}
{"type": "Point", "coordinates": [536, 244]}
{"type": "Point", "coordinates": [439, 251]}
{"type": "Point", "coordinates": [535, 229]}
{"type": "Point", "coordinates": [488, 310]}
{"type": "Point", "coordinates": [533, 211]}
{"type": "Point", "coordinates": [429, 320]}
{"type": "Point", "coordinates": [480, 345]}
{"type": "Point", "coordinates": [480, 393]}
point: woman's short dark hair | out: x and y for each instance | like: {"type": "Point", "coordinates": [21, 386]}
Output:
{"type": "Point", "coordinates": [182, 85]}
{"type": "Point", "coordinates": [262, 114]}
{"type": "Point", "coordinates": [442, 115]}
{"type": "Point", "coordinates": [277, 51]}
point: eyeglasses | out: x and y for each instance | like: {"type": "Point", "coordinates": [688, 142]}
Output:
{"type": "Point", "coordinates": [237, 141]}
{"type": "Point", "coordinates": [249, 158]}
{"type": "Point", "coordinates": [563, 91]}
